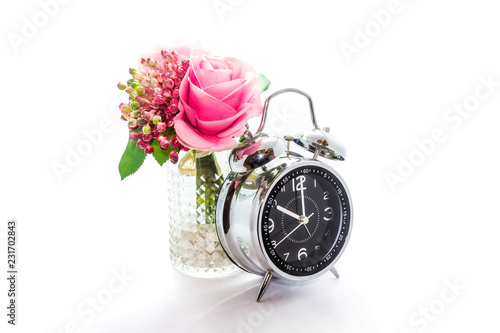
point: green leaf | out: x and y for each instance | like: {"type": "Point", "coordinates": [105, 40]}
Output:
{"type": "Point", "coordinates": [168, 131]}
{"type": "Point", "coordinates": [161, 156]}
{"type": "Point", "coordinates": [131, 160]}
{"type": "Point", "coordinates": [264, 83]}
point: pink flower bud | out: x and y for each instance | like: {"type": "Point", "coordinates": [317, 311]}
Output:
{"type": "Point", "coordinates": [170, 57]}
{"type": "Point", "coordinates": [155, 134]}
{"type": "Point", "coordinates": [149, 149]}
{"type": "Point", "coordinates": [167, 94]}
{"type": "Point", "coordinates": [125, 109]}
{"type": "Point", "coordinates": [164, 145]}
{"type": "Point", "coordinates": [157, 91]}
{"type": "Point", "coordinates": [168, 83]}
{"type": "Point", "coordinates": [170, 122]}
{"type": "Point", "coordinates": [154, 83]}
{"type": "Point", "coordinates": [172, 109]}
{"type": "Point", "coordinates": [141, 144]}
{"type": "Point", "coordinates": [174, 156]}
{"type": "Point", "coordinates": [143, 102]}
{"type": "Point", "coordinates": [134, 136]}
{"type": "Point", "coordinates": [132, 124]}
{"type": "Point", "coordinates": [147, 116]}
{"type": "Point", "coordinates": [151, 63]}
{"type": "Point", "coordinates": [175, 143]}
{"type": "Point", "coordinates": [175, 58]}
{"type": "Point", "coordinates": [147, 137]}
{"type": "Point", "coordinates": [158, 100]}
{"type": "Point", "coordinates": [141, 73]}
{"type": "Point", "coordinates": [122, 86]}
{"type": "Point", "coordinates": [177, 81]}
{"type": "Point", "coordinates": [161, 127]}
{"type": "Point", "coordinates": [170, 73]}
{"type": "Point", "coordinates": [184, 148]}
{"type": "Point", "coordinates": [175, 93]}
{"type": "Point", "coordinates": [180, 71]}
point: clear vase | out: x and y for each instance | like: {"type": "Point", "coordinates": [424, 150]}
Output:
{"type": "Point", "coordinates": [194, 184]}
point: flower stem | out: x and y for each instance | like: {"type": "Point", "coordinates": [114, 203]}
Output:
{"type": "Point", "coordinates": [209, 180]}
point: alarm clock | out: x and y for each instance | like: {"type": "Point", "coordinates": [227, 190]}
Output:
{"type": "Point", "coordinates": [281, 214]}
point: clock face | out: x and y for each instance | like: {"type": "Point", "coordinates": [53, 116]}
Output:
{"type": "Point", "coordinates": [305, 220]}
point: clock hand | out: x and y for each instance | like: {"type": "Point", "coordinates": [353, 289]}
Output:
{"type": "Point", "coordinates": [302, 198]}
{"type": "Point", "coordinates": [308, 222]}
{"type": "Point", "coordinates": [288, 235]}
{"type": "Point", "coordinates": [287, 212]}
{"type": "Point", "coordinates": [308, 230]}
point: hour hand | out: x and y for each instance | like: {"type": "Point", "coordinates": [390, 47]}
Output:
{"type": "Point", "coordinates": [287, 212]}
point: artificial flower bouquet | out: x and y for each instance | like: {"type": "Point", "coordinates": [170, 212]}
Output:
{"type": "Point", "coordinates": [187, 100]}
{"type": "Point", "coordinates": [184, 105]}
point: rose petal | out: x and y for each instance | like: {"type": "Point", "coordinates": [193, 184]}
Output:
{"type": "Point", "coordinates": [183, 105]}
{"type": "Point", "coordinates": [193, 139]}
{"type": "Point", "coordinates": [212, 63]}
{"type": "Point", "coordinates": [237, 128]}
{"type": "Point", "coordinates": [231, 89]}
{"type": "Point", "coordinates": [207, 107]}
{"type": "Point", "coordinates": [190, 113]}
{"type": "Point", "coordinates": [209, 77]}
{"type": "Point", "coordinates": [243, 94]}
{"type": "Point", "coordinates": [217, 127]}
{"type": "Point", "coordinates": [239, 68]}
{"type": "Point", "coordinates": [256, 103]}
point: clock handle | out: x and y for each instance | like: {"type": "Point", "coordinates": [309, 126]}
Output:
{"type": "Point", "coordinates": [263, 286]}
{"type": "Point", "coordinates": [279, 92]}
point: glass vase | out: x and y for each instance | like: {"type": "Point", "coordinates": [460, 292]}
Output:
{"type": "Point", "coordinates": [194, 184]}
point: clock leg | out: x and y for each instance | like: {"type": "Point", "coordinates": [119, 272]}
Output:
{"type": "Point", "coordinates": [335, 272]}
{"type": "Point", "coordinates": [264, 285]}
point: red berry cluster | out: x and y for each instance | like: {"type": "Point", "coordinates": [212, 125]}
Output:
{"type": "Point", "coordinates": [153, 102]}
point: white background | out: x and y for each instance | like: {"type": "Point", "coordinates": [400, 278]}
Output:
{"type": "Point", "coordinates": [437, 226]}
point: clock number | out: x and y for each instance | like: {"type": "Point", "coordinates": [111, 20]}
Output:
{"type": "Point", "coordinates": [286, 254]}
{"type": "Point", "coordinates": [272, 202]}
{"type": "Point", "coordinates": [273, 243]}
{"type": "Point", "coordinates": [329, 210]}
{"type": "Point", "coordinates": [326, 195]}
{"type": "Point", "coordinates": [302, 253]}
{"type": "Point", "coordinates": [271, 225]}
{"type": "Point", "coordinates": [300, 183]}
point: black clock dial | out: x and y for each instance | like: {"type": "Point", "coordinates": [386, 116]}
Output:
{"type": "Point", "coordinates": [305, 220]}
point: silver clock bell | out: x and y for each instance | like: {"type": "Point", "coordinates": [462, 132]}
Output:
{"type": "Point", "coordinates": [280, 214]}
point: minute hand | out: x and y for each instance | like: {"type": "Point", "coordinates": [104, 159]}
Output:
{"type": "Point", "coordinates": [302, 199]}
{"type": "Point", "coordinates": [287, 212]}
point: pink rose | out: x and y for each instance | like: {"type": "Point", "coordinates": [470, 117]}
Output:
{"type": "Point", "coordinates": [216, 99]}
